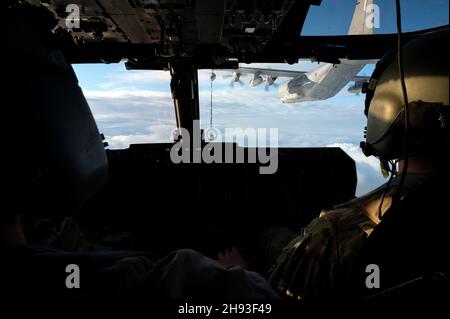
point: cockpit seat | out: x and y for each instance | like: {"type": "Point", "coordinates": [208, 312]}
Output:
{"type": "Point", "coordinates": [410, 247]}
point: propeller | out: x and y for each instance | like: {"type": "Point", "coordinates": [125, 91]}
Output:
{"type": "Point", "coordinates": [235, 77]}
{"type": "Point", "coordinates": [212, 76]}
{"type": "Point", "coordinates": [267, 87]}
{"type": "Point", "coordinates": [257, 80]}
{"type": "Point", "coordinates": [238, 81]}
{"type": "Point", "coordinates": [270, 81]}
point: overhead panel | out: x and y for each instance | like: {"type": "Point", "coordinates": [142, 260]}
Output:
{"type": "Point", "coordinates": [209, 20]}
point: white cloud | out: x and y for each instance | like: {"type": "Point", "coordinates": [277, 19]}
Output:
{"type": "Point", "coordinates": [155, 134]}
{"type": "Point", "coordinates": [126, 94]}
{"type": "Point", "coordinates": [127, 79]}
{"type": "Point", "coordinates": [128, 117]}
{"type": "Point", "coordinates": [143, 76]}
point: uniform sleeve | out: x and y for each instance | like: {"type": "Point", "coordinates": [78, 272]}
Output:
{"type": "Point", "coordinates": [308, 264]}
{"type": "Point", "coordinates": [187, 273]}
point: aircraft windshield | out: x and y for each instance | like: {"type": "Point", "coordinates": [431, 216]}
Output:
{"type": "Point", "coordinates": [416, 15]}
{"type": "Point", "coordinates": [335, 122]}
{"type": "Point", "coordinates": [136, 107]}
{"type": "Point", "coordinates": [129, 106]}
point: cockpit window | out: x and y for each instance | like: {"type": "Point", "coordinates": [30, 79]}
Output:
{"type": "Point", "coordinates": [129, 106]}
{"type": "Point", "coordinates": [335, 122]}
{"type": "Point", "coordinates": [136, 107]}
{"type": "Point", "coordinates": [337, 16]}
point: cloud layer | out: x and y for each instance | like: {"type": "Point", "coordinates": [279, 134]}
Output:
{"type": "Point", "coordinates": [127, 117]}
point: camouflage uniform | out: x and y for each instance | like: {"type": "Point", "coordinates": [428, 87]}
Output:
{"type": "Point", "coordinates": [317, 263]}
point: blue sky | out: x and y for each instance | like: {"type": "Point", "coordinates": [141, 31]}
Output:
{"type": "Point", "coordinates": [416, 15]}
{"type": "Point", "coordinates": [136, 106]}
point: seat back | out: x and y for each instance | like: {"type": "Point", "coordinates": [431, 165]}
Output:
{"type": "Point", "coordinates": [55, 158]}
{"type": "Point", "coordinates": [410, 246]}
{"type": "Point", "coordinates": [56, 155]}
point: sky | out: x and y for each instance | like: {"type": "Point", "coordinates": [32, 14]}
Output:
{"type": "Point", "coordinates": [416, 15]}
{"type": "Point", "coordinates": [136, 106]}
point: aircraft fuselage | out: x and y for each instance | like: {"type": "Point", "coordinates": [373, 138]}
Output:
{"type": "Point", "coordinates": [319, 84]}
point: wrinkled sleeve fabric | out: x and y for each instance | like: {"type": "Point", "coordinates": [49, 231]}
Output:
{"type": "Point", "coordinates": [188, 274]}
{"type": "Point", "coordinates": [307, 265]}
{"type": "Point", "coordinates": [318, 263]}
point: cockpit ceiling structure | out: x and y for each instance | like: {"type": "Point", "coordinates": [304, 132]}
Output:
{"type": "Point", "coordinates": [205, 33]}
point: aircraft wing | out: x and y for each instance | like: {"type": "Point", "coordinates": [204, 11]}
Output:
{"type": "Point", "coordinates": [359, 82]}
{"type": "Point", "coordinates": [361, 78]}
{"type": "Point", "coordinates": [269, 72]}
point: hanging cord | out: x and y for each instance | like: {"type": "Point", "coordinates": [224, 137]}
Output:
{"type": "Point", "coordinates": [401, 70]}
{"type": "Point", "coordinates": [397, 195]}
{"type": "Point", "coordinates": [393, 172]}
{"type": "Point", "coordinates": [211, 106]}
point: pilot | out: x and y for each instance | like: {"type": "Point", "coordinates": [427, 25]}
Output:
{"type": "Point", "coordinates": [318, 263]}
